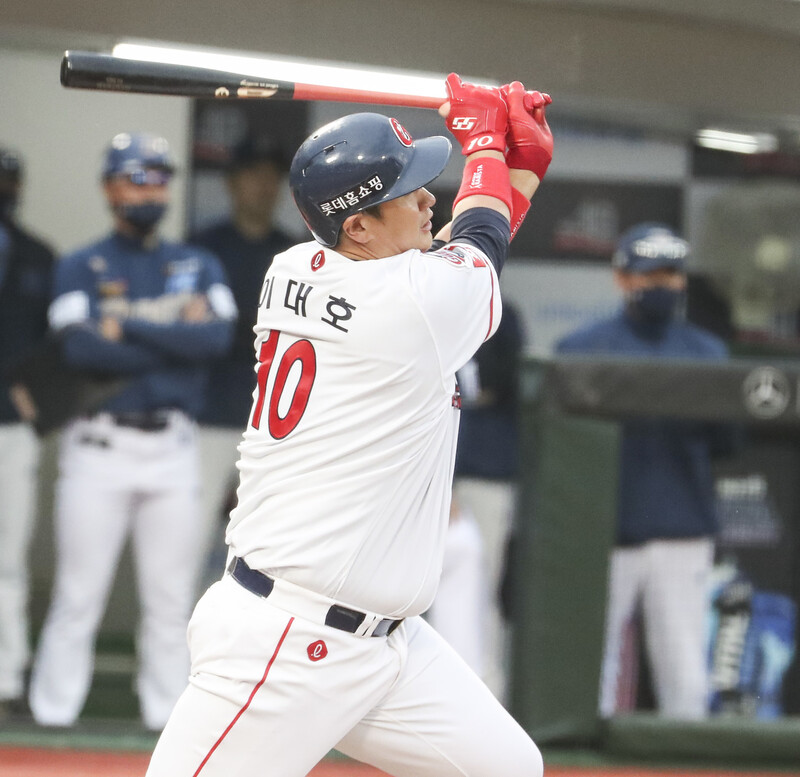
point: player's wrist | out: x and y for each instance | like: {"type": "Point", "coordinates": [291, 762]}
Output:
{"type": "Point", "coordinates": [485, 175]}
{"type": "Point", "coordinates": [519, 209]}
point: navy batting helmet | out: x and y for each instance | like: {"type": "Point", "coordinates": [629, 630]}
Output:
{"type": "Point", "coordinates": [356, 162]}
{"type": "Point", "coordinates": [132, 154]}
{"type": "Point", "coordinates": [650, 246]}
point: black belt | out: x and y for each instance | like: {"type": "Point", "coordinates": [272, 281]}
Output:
{"type": "Point", "coordinates": [338, 617]}
{"type": "Point", "coordinates": [144, 421]}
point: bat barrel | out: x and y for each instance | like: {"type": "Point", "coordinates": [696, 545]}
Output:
{"type": "Point", "coordinates": [91, 70]}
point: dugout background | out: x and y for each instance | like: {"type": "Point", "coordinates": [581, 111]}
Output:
{"type": "Point", "coordinates": [565, 530]}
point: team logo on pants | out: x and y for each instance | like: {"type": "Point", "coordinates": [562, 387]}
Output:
{"type": "Point", "coordinates": [317, 650]}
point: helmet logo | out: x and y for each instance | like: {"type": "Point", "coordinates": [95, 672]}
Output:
{"type": "Point", "coordinates": [402, 133]}
{"type": "Point", "coordinates": [317, 261]}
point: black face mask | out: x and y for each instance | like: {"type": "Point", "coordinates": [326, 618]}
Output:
{"type": "Point", "coordinates": [143, 216]}
{"type": "Point", "coordinates": [656, 305]}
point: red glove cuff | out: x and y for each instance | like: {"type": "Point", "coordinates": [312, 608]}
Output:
{"type": "Point", "coordinates": [533, 158]}
{"type": "Point", "coordinates": [519, 209]}
{"type": "Point", "coordinates": [486, 176]}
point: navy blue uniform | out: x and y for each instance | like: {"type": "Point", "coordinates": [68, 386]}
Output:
{"type": "Point", "coordinates": [666, 484]}
{"type": "Point", "coordinates": [26, 266]}
{"type": "Point", "coordinates": [231, 378]}
{"type": "Point", "coordinates": [146, 288]}
{"type": "Point", "coordinates": [25, 279]}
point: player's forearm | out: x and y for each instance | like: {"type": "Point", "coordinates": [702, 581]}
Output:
{"type": "Point", "coordinates": [524, 181]}
{"type": "Point", "coordinates": [182, 340]}
{"type": "Point", "coordinates": [84, 349]}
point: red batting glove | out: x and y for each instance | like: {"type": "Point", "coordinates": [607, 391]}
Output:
{"type": "Point", "coordinates": [530, 142]}
{"type": "Point", "coordinates": [478, 116]}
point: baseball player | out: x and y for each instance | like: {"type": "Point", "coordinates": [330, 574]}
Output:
{"type": "Point", "coordinates": [26, 266]}
{"type": "Point", "coordinates": [664, 550]}
{"type": "Point", "coordinates": [313, 639]}
{"type": "Point", "coordinates": [156, 312]}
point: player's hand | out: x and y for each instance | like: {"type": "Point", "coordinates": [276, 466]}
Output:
{"type": "Point", "coordinates": [529, 140]}
{"type": "Point", "coordinates": [23, 402]}
{"type": "Point", "coordinates": [476, 115]}
{"type": "Point", "coordinates": [196, 310]}
{"type": "Point", "coordinates": [110, 328]}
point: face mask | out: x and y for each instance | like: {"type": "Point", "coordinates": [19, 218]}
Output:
{"type": "Point", "coordinates": [143, 216]}
{"type": "Point", "coordinates": [657, 304]}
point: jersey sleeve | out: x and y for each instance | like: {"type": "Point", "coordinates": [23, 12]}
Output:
{"type": "Point", "coordinates": [458, 292]}
{"type": "Point", "coordinates": [217, 289]}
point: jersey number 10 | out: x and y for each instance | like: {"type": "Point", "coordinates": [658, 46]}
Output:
{"type": "Point", "coordinates": [302, 352]}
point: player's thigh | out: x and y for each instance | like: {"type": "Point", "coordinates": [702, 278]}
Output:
{"type": "Point", "coordinates": [270, 693]}
{"type": "Point", "coordinates": [167, 546]}
{"type": "Point", "coordinates": [91, 517]}
{"type": "Point", "coordinates": [209, 735]}
{"type": "Point", "coordinates": [676, 602]}
{"type": "Point", "coordinates": [441, 720]}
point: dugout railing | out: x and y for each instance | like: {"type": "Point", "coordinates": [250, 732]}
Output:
{"type": "Point", "coordinates": [564, 531]}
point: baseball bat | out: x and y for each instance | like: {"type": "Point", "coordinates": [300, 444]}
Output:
{"type": "Point", "coordinates": [91, 70]}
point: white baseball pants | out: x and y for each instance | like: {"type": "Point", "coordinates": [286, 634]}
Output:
{"type": "Point", "coordinates": [459, 611]}
{"type": "Point", "coordinates": [19, 458]}
{"type": "Point", "coordinates": [273, 693]}
{"type": "Point", "coordinates": [492, 503]}
{"type": "Point", "coordinates": [671, 581]}
{"type": "Point", "coordinates": [115, 481]}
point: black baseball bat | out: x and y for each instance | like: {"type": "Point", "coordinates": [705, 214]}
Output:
{"type": "Point", "coordinates": [91, 70]}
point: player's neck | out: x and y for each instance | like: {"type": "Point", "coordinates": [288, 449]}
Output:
{"type": "Point", "coordinates": [352, 250]}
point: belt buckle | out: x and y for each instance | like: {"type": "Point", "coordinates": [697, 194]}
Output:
{"type": "Point", "coordinates": [370, 625]}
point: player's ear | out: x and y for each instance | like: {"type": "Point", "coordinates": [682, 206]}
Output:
{"type": "Point", "coordinates": [358, 228]}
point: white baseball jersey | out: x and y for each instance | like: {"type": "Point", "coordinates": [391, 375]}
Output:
{"type": "Point", "coordinates": [347, 461]}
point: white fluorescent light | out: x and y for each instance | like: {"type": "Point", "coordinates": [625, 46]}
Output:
{"type": "Point", "coordinates": [738, 142]}
{"type": "Point", "coordinates": [302, 71]}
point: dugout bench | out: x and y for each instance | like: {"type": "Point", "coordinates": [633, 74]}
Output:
{"type": "Point", "coordinates": [570, 412]}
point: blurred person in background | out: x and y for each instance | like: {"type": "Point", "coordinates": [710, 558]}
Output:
{"type": "Point", "coordinates": [662, 562]}
{"type": "Point", "coordinates": [26, 266]}
{"type": "Point", "coordinates": [467, 610]}
{"type": "Point", "coordinates": [245, 243]}
{"type": "Point", "coordinates": [154, 312]}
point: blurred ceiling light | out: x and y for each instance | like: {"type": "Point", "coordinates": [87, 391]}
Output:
{"type": "Point", "coordinates": [739, 142]}
{"type": "Point", "coordinates": [284, 69]}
